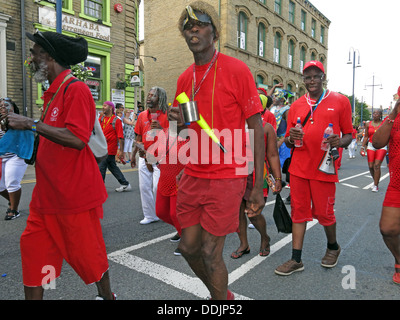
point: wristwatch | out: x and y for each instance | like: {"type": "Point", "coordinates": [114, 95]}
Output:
{"type": "Point", "coordinates": [34, 125]}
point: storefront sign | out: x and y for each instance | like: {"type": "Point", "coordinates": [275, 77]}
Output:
{"type": "Point", "coordinates": [47, 16]}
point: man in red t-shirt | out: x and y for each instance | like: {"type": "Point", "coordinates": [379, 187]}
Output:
{"type": "Point", "coordinates": [213, 184]}
{"type": "Point", "coordinates": [148, 124]}
{"type": "Point", "coordinates": [112, 129]}
{"type": "Point", "coordinates": [66, 206]}
{"type": "Point", "coordinates": [312, 173]}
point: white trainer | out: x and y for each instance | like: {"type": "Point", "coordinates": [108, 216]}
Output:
{"type": "Point", "coordinates": [374, 189]}
{"type": "Point", "coordinates": [123, 188]}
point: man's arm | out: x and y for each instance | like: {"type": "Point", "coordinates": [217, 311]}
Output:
{"type": "Point", "coordinates": [60, 136]}
{"type": "Point", "coordinates": [256, 203]}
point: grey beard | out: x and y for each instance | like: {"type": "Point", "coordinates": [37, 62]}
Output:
{"type": "Point", "coordinates": [41, 73]}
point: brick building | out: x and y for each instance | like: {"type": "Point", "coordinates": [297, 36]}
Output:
{"type": "Point", "coordinates": [109, 27]}
{"type": "Point", "coordinates": [275, 38]}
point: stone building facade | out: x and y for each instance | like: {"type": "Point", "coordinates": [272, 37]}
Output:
{"type": "Point", "coordinates": [275, 38]}
{"type": "Point", "coordinates": [109, 27]}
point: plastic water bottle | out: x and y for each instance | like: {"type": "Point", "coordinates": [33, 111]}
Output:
{"type": "Point", "coordinates": [298, 143]}
{"type": "Point", "coordinates": [328, 131]}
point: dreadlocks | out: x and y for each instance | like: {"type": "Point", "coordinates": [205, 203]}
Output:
{"type": "Point", "coordinates": [162, 99]}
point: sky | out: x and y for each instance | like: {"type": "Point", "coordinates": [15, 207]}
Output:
{"type": "Point", "coordinates": [370, 28]}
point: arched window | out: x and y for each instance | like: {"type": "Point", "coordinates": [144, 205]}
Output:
{"type": "Point", "coordinates": [261, 40]}
{"type": "Point", "coordinates": [302, 58]}
{"type": "Point", "coordinates": [290, 54]}
{"type": "Point", "coordinates": [277, 47]}
{"type": "Point", "coordinates": [242, 31]}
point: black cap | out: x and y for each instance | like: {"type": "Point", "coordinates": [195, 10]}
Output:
{"type": "Point", "coordinates": [65, 50]}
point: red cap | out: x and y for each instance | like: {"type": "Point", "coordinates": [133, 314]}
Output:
{"type": "Point", "coordinates": [314, 63]}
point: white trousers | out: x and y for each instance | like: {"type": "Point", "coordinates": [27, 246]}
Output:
{"type": "Point", "coordinates": [12, 171]}
{"type": "Point", "coordinates": [148, 182]}
{"type": "Point", "coordinates": [352, 148]}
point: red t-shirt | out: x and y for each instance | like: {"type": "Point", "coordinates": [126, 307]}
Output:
{"type": "Point", "coordinates": [112, 135]}
{"type": "Point", "coordinates": [143, 126]}
{"type": "Point", "coordinates": [269, 117]}
{"type": "Point", "coordinates": [68, 180]}
{"type": "Point", "coordinates": [335, 109]}
{"type": "Point", "coordinates": [224, 106]}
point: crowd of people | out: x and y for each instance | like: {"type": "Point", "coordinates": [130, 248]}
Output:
{"type": "Point", "coordinates": [183, 180]}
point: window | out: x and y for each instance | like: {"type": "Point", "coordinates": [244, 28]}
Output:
{"type": "Point", "coordinates": [313, 26]}
{"type": "Point", "coordinates": [96, 10]}
{"type": "Point", "coordinates": [277, 47]}
{"type": "Point", "coordinates": [292, 7]}
{"type": "Point", "coordinates": [322, 38]}
{"type": "Point", "coordinates": [290, 54]}
{"type": "Point", "coordinates": [260, 80]}
{"type": "Point", "coordinates": [261, 39]}
{"type": "Point", "coordinates": [302, 58]}
{"type": "Point", "coordinates": [95, 82]}
{"type": "Point", "coordinates": [313, 56]}
{"type": "Point", "coordinates": [242, 30]}
{"type": "Point", "coordinates": [262, 1]}
{"type": "Point", "coordinates": [303, 20]}
{"type": "Point", "coordinates": [278, 6]}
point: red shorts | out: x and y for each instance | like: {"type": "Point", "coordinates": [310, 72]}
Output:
{"type": "Point", "coordinates": [50, 238]}
{"type": "Point", "coordinates": [378, 154]}
{"type": "Point", "coordinates": [312, 199]}
{"type": "Point", "coordinates": [212, 203]}
{"type": "Point", "coordinates": [392, 197]}
{"type": "Point", "coordinates": [166, 210]}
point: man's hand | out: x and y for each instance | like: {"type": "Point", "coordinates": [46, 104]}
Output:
{"type": "Point", "coordinates": [255, 204]}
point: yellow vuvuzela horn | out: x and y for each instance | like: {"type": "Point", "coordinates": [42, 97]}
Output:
{"type": "Point", "coordinates": [184, 101]}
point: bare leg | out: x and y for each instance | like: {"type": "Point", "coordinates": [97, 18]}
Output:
{"type": "Point", "coordinates": [33, 293]}
{"type": "Point", "coordinates": [104, 288]}
{"type": "Point", "coordinates": [390, 230]}
{"type": "Point", "coordinates": [203, 252]}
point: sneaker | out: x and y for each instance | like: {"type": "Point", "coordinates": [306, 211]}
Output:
{"type": "Point", "coordinates": [374, 189]}
{"type": "Point", "coordinates": [289, 267]}
{"type": "Point", "coordinates": [175, 238]}
{"type": "Point", "coordinates": [15, 215]}
{"type": "Point", "coordinates": [98, 297]}
{"type": "Point", "coordinates": [331, 258]}
{"type": "Point", "coordinates": [230, 296]}
{"type": "Point", "coordinates": [251, 226]}
{"type": "Point", "coordinates": [147, 221]}
{"type": "Point", "coordinates": [123, 188]}
{"type": "Point", "coordinates": [396, 276]}
{"type": "Point", "coordinates": [177, 252]}
{"type": "Point", "coordinates": [287, 186]}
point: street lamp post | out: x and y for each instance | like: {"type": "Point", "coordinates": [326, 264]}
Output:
{"type": "Point", "coordinates": [373, 85]}
{"type": "Point", "coordinates": [354, 74]}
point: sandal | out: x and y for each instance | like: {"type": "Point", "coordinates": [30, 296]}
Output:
{"type": "Point", "coordinates": [238, 254]}
{"type": "Point", "coordinates": [15, 214]}
{"type": "Point", "coordinates": [267, 250]}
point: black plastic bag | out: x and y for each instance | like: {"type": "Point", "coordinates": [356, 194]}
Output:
{"type": "Point", "coordinates": [281, 216]}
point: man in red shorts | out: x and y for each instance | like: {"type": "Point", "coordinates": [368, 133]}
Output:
{"type": "Point", "coordinates": [213, 184]}
{"type": "Point", "coordinates": [66, 205]}
{"type": "Point", "coordinates": [312, 184]}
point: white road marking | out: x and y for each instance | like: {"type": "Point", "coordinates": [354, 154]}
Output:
{"type": "Point", "coordinates": [191, 284]}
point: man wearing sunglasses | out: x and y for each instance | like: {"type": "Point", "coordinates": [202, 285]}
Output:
{"type": "Point", "coordinates": [312, 189]}
{"type": "Point", "coordinates": [210, 192]}
{"type": "Point", "coordinates": [66, 205]}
